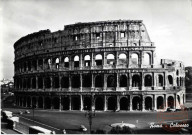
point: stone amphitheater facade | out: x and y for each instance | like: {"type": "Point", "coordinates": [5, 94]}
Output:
{"type": "Point", "coordinates": [105, 65]}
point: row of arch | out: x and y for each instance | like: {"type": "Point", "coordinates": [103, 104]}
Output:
{"type": "Point", "coordinates": [87, 60]}
{"type": "Point", "coordinates": [90, 80]}
{"type": "Point", "coordinates": [137, 102]}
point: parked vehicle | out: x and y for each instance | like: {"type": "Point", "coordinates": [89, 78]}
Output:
{"type": "Point", "coordinates": [39, 130]}
{"type": "Point", "coordinates": [83, 128]}
{"type": "Point", "coordinates": [6, 115]}
{"type": "Point", "coordinates": [27, 111]}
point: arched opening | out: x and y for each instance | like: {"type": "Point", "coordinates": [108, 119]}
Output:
{"type": "Point", "coordinates": [40, 102]}
{"type": "Point", "coordinates": [28, 83]}
{"type": "Point", "coordinates": [34, 83]}
{"type": "Point", "coordinates": [110, 59]}
{"type": "Point", "coordinates": [87, 80]}
{"type": "Point", "coordinates": [66, 103]}
{"type": "Point", "coordinates": [76, 61]}
{"type": "Point", "coordinates": [47, 103]}
{"type": "Point", "coordinates": [137, 103]}
{"type": "Point", "coordinates": [148, 103]}
{"type": "Point", "coordinates": [122, 59]}
{"type": "Point", "coordinates": [171, 102]}
{"type": "Point", "coordinates": [111, 81]}
{"type": "Point", "coordinates": [178, 81]}
{"type": "Point", "coordinates": [177, 72]}
{"type": "Point", "coordinates": [40, 82]}
{"type": "Point", "coordinates": [134, 59]}
{"type": "Point", "coordinates": [57, 63]}
{"type": "Point", "coordinates": [170, 79]}
{"type": "Point", "coordinates": [34, 101]}
{"type": "Point", "coordinates": [181, 81]}
{"type": "Point", "coordinates": [99, 103]}
{"type": "Point", "coordinates": [160, 104]}
{"type": "Point", "coordinates": [123, 81]}
{"type": "Point", "coordinates": [124, 103]}
{"type": "Point", "coordinates": [160, 78]}
{"type": "Point", "coordinates": [40, 63]}
{"type": "Point", "coordinates": [65, 82]}
{"type": "Point", "coordinates": [24, 83]}
{"type": "Point", "coordinates": [34, 65]}
{"type": "Point", "coordinates": [98, 60]}
{"type": "Point", "coordinates": [87, 60]}
{"type": "Point", "coordinates": [28, 102]}
{"type": "Point", "coordinates": [99, 81]}
{"type": "Point", "coordinates": [136, 81]}
{"type": "Point", "coordinates": [112, 103]}
{"type": "Point", "coordinates": [148, 81]}
{"type": "Point", "coordinates": [87, 103]}
{"type": "Point", "coordinates": [75, 103]}
{"type": "Point", "coordinates": [24, 102]}
{"type": "Point", "coordinates": [29, 66]}
{"type": "Point", "coordinates": [49, 63]}
{"type": "Point", "coordinates": [56, 103]}
{"type": "Point", "coordinates": [47, 82]}
{"type": "Point", "coordinates": [56, 82]}
{"type": "Point", "coordinates": [178, 99]}
{"type": "Point", "coordinates": [66, 62]}
{"type": "Point", "coordinates": [147, 59]}
{"type": "Point", "coordinates": [75, 81]}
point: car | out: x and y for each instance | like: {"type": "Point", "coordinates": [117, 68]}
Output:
{"type": "Point", "coordinates": [20, 112]}
{"type": "Point", "coordinates": [27, 111]}
{"type": "Point", "coordinates": [83, 128]}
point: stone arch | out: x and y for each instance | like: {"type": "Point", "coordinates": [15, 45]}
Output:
{"type": "Point", "coordinates": [75, 81]}
{"type": "Point", "coordinates": [134, 59]}
{"type": "Point", "coordinates": [56, 103]}
{"type": "Point", "coordinates": [148, 103]}
{"type": "Point", "coordinates": [56, 82]}
{"type": "Point", "coordinates": [66, 62]}
{"type": "Point", "coordinates": [171, 102]}
{"type": "Point", "coordinates": [124, 103]}
{"type": "Point", "coordinates": [99, 60]}
{"type": "Point", "coordinates": [137, 103]}
{"type": "Point", "coordinates": [34, 83]}
{"type": "Point", "coordinates": [76, 61]}
{"type": "Point", "coordinates": [123, 81]}
{"type": "Point", "coordinates": [87, 80]}
{"type": "Point", "coordinates": [99, 81]}
{"type": "Point", "coordinates": [66, 103]}
{"type": "Point", "coordinates": [99, 103]}
{"type": "Point", "coordinates": [40, 82]}
{"type": "Point", "coordinates": [87, 103]}
{"type": "Point", "coordinates": [75, 100]}
{"type": "Point", "coordinates": [40, 102]}
{"type": "Point", "coordinates": [136, 81]}
{"type": "Point", "coordinates": [122, 58]}
{"type": "Point", "coordinates": [87, 60]}
{"type": "Point", "coordinates": [170, 80]}
{"type": "Point", "coordinates": [160, 80]}
{"type": "Point", "coordinates": [47, 82]}
{"type": "Point", "coordinates": [112, 103]}
{"type": "Point", "coordinates": [148, 80]}
{"type": "Point", "coordinates": [47, 103]}
{"type": "Point", "coordinates": [65, 82]}
{"type": "Point", "coordinates": [160, 104]}
{"type": "Point", "coordinates": [111, 59]}
{"type": "Point", "coordinates": [147, 59]}
{"type": "Point", "coordinates": [28, 101]}
{"type": "Point", "coordinates": [111, 81]}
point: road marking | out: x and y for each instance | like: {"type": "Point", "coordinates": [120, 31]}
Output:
{"type": "Point", "coordinates": [40, 123]}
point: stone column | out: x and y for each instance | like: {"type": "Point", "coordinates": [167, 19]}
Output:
{"type": "Point", "coordinates": [81, 81]}
{"type": "Point", "coordinates": [51, 103]}
{"type": "Point", "coordinates": [69, 82]}
{"type": "Point", "coordinates": [103, 37]}
{"type": "Point", "coordinates": [81, 61]}
{"type": "Point", "coordinates": [105, 82]}
{"type": "Point", "coordinates": [92, 102]}
{"type": "Point", "coordinates": [105, 103]}
{"type": "Point", "coordinates": [175, 101]}
{"type": "Point", "coordinates": [37, 102]}
{"type": "Point", "coordinates": [43, 83]}
{"type": "Point", "coordinates": [130, 81]}
{"type": "Point", "coordinates": [60, 104]}
{"type": "Point", "coordinates": [130, 103]}
{"type": "Point", "coordinates": [70, 103]}
{"type": "Point", "coordinates": [117, 59]}
{"type": "Point", "coordinates": [118, 104]}
{"type": "Point", "coordinates": [51, 78]}
{"type": "Point", "coordinates": [153, 80]}
{"type": "Point", "coordinates": [36, 83]}
{"type": "Point", "coordinates": [104, 59]}
{"type": "Point", "coordinates": [165, 102]}
{"type": "Point", "coordinates": [43, 102]}
{"type": "Point", "coordinates": [92, 60]}
{"type": "Point", "coordinates": [143, 103]}
{"type": "Point", "coordinates": [60, 81]}
{"type": "Point", "coordinates": [43, 64]}
{"type": "Point", "coordinates": [154, 102]}
{"type": "Point", "coordinates": [81, 103]}
{"type": "Point", "coordinates": [142, 81]}
{"type": "Point", "coordinates": [93, 82]}
{"type": "Point", "coordinates": [117, 88]}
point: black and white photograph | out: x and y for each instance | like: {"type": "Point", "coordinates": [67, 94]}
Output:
{"type": "Point", "coordinates": [96, 66]}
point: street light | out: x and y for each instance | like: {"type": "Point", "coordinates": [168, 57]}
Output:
{"type": "Point", "coordinates": [90, 114]}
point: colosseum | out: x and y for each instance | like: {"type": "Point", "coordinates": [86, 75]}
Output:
{"type": "Point", "coordinates": [103, 66]}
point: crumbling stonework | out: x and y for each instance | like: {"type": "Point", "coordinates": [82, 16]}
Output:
{"type": "Point", "coordinates": [107, 65]}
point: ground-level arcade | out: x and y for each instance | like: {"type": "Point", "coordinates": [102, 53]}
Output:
{"type": "Point", "coordinates": [109, 101]}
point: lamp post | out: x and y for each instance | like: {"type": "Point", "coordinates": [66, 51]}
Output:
{"type": "Point", "coordinates": [90, 115]}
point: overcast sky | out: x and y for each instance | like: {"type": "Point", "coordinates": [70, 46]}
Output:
{"type": "Point", "coordinates": [169, 23]}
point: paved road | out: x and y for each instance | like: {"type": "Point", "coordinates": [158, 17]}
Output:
{"type": "Point", "coordinates": [71, 120]}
